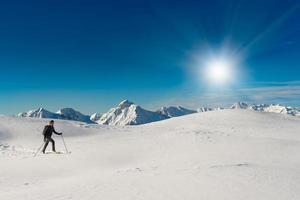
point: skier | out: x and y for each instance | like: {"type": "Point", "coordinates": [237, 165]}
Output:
{"type": "Point", "coordinates": [48, 130]}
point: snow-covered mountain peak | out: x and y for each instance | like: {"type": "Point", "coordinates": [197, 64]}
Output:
{"type": "Point", "coordinates": [39, 113]}
{"type": "Point", "coordinates": [128, 113]}
{"type": "Point", "coordinates": [175, 111]}
{"type": "Point", "coordinates": [65, 113]}
{"type": "Point", "coordinates": [125, 103]}
{"type": "Point", "coordinates": [258, 107]}
{"type": "Point", "coordinates": [95, 117]}
{"type": "Point", "coordinates": [41, 109]}
{"type": "Point", "coordinates": [38, 110]}
{"type": "Point", "coordinates": [65, 110]}
{"type": "Point", "coordinates": [71, 114]}
{"type": "Point", "coordinates": [278, 108]}
{"type": "Point", "coordinates": [239, 105]}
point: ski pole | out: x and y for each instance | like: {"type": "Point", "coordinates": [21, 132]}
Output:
{"type": "Point", "coordinates": [38, 150]}
{"type": "Point", "coordinates": [64, 144]}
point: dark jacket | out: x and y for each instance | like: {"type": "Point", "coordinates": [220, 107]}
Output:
{"type": "Point", "coordinates": [48, 130]}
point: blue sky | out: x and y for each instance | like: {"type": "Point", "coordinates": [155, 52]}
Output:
{"type": "Point", "coordinates": [92, 54]}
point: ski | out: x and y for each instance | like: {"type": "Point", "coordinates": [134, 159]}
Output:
{"type": "Point", "coordinates": [58, 152]}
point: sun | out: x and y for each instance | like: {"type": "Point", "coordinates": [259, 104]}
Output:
{"type": "Point", "coordinates": [219, 71]}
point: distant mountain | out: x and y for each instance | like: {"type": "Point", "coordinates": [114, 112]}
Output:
{"type": "Point", "coordinates": [71, 114]}
{"type": "Point", "coordinates": [40, 113]}
{"type": "Point", "coordinates": [218, 108]}
{"type": "Point", "coordinates": [277, 108]}
{"type": "Point", "coordinates": [258, 107]}
{"type": "Point", "coordinates": [239, 105]}
{"type": "Point", "coordinates": [204, 109]}
{"type": "Point", "coordinates": [174, 111]}
{"type": "Point", "coordinates": [273, 108]}
{"type": "Point", "coordinates": [127, 113]}
{"type": "Point", "coordinates": [95, 117]}
{"type": "Point", "coordinates": [65, 113]}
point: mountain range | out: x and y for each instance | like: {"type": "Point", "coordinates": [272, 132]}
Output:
{"type": "Point", "coordinates": [128, 113]}
{"type": "Point", "coordinates": [64, 113]}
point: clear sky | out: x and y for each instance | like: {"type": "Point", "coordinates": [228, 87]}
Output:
{"type": "Point", "coordinates": [92, 54]}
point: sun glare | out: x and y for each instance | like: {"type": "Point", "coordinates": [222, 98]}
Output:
{"type": "Point", "coordinates": [219, 71]}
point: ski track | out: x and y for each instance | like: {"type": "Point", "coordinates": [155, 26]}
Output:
{"type": "Point", "coordinates": [227, 154]}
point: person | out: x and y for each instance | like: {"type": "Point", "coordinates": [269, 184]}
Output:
{"type": "Point", "coordinates": [48, 130]}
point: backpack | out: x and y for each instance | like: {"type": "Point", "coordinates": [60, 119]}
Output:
{"type": "Point", "coordinates": [46, 130]}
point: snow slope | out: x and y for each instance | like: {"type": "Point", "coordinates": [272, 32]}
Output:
{"type": "Point", "coordinates": [127, 113]}
{"type": "Point", "coordinates": [226, 154]}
